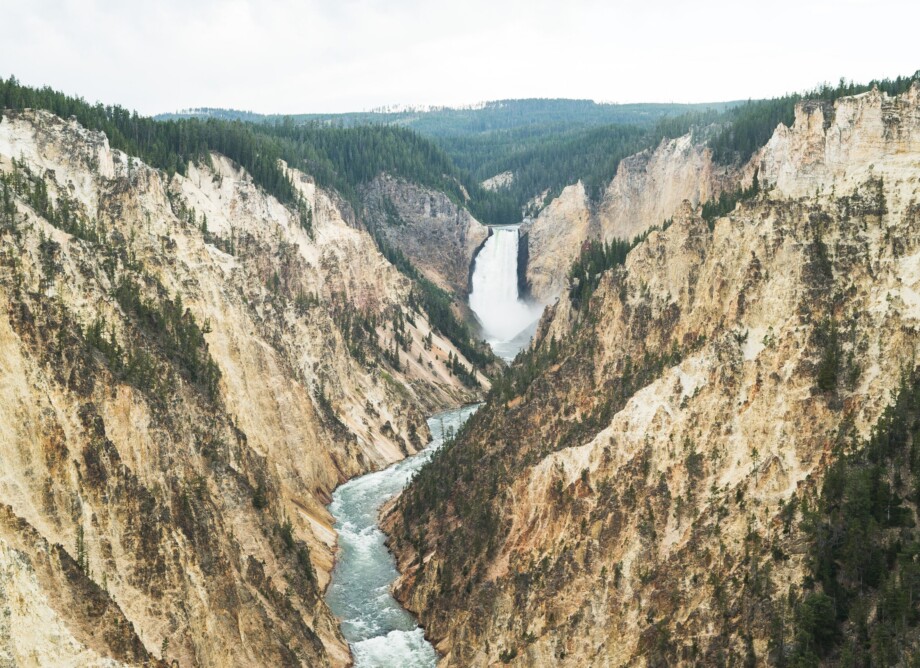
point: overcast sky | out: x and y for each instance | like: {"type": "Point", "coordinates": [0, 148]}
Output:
{"type": "Point", "coordinates": [293, 56]}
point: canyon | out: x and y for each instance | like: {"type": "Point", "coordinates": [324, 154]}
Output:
{"type": "Point", "coordinates": [246, 426]}
{"type": "Point", "coordinates": [185, 380]}
{"type": "Point", "coordinates": [636, 494]}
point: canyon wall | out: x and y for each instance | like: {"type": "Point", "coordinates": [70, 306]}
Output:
{"type": "Point", "coordinates": [635, 493]}
{"type": "Point", "coordinates": [648, 189]}
{"type": "Point", "coordinates": [189, 368]}
{"type": "Point", "coordinates": [437, 235]}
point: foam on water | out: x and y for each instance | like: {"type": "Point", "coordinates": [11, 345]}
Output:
{"type": "Point", "coordinates": [379, 631]}
{"type": "Point", "coordinates": [397, 648]}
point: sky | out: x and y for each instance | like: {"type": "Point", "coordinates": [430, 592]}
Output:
{"type": "Point", "coordinates": [298, 56]}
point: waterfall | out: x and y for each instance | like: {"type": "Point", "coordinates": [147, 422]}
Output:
{"type": "Point", "coordinates": [507, 321]}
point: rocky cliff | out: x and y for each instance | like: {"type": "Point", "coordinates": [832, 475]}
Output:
{"type": "Point", "coordinates": [653, 184]}
{"type": "Point", "coordinates": [837, 146]}
{"type": "Point", "coordinates": [499, 181]}
{"type": "Point", "coordinates": [437, 235]}
{"type": "Point", "coordinates": [189, 367]}
{"type": "Point", "coordinates": [635, 491]}
{"type": "Point", "coordinates": [554, 238]}
{"type": "Point", "coordinates": [648, 189]}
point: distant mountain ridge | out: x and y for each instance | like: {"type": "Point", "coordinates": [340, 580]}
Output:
{"type": "Point", "coordinates": [478, 118]}
{"type": "Point", "coordinates": [546, 143]}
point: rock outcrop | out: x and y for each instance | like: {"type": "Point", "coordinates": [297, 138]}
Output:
{"type": "Point", "coordinates": [437, 235]}
{"type": "Point", "coordinates": [836, 147]}
{"type": "Point", "coordinates": [554, 239]}
{"type": "Point", "coordinates": [634, 495]}
{"type": "Point", "coordinates": [648, 189]}
{"type": "Point", "coordinates": [499, 181]}
{"type": "Point", "coordinates": [653, 184]}
{"type": "Point", "coordinates": [187, 370]}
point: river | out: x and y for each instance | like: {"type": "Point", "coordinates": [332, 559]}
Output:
{"type": "Point", "coordinates": [379, 631]}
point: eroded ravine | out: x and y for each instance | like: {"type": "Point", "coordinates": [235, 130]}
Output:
{"type": "Point", "coordinates": [378, 630]}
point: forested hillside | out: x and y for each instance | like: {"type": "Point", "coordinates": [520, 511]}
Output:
{"type": "Point", "coordinates": [338, 158]}
{"type": "Point", "coordinates": [525, 117]}
{"type": "Point", "coordinates": [546, 144]}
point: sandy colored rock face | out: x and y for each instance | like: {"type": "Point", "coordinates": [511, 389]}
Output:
{"type": "Point", "coordinates": [648, 189]}
{"type": "Point", "coordinates": [554, 239]}
{"type": "Point", "coordinates": [499, 181]}
{"type": "Point", "coordinates": [842, 145]}
{"type": "Point", "coordinates": [627, 507]}
{"type": "Point", "coordinates": [189, 515]}
{"type": "Point", "coordinates": [652, 185]}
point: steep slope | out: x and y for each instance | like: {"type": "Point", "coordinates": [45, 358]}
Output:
{"type": "Point", "coordinates": [554, 239]}
{"type": "Point", "coordinates": [648, 189]}
{"type": "Point", "coordinates": [189, 369]}
{"type": "Point", "coordinates": [652, 185]}
{"type": "Point", "coordinates": [636, 490]}
{"type": "Point", "coordinates": [438, 236]}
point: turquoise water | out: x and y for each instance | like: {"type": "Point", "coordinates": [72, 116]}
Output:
{"type": "Point", "coordinates": [380, 632]}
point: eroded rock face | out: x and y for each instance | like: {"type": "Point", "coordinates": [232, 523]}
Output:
{"type": "Point", "coordinates": [499, 181]}
{"type": "Point", "coordinates": [652, 185]}
{"type": "Point", "coordinates": [554, 239]}
{"type": "Point", "coordinates": [627, 507]}
{"type": "Point", "coordinates": [186, 372]}
{"type": "Point", "coordinates": [648, 189]}
{"type": "Point", "coordinates": [38, 580]}
{"type": "Point", "coordinates": [439, 237]}
{"type": "Point", "coordinates": [844, 144]}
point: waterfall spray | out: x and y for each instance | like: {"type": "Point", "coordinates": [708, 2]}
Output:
{"type": "Point", "coordinates": [504, 316]}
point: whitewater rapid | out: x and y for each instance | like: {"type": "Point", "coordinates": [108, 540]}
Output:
{"type": "Point", "coordinates": [507, 321]}
{"type": "Point", "coordinates": [380, 632]}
